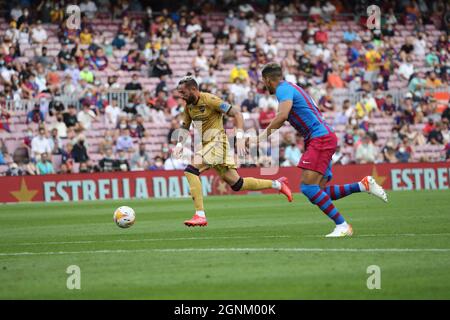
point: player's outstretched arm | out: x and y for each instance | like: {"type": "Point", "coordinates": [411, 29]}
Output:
{"type": "Point", "coordinates": [239, 123]}
{"type": "Point", "coordinates": [237, 115]}
{"type": "Point", "coordinates": [182, 135]}
{"type": "Point", "coordinates": [283, 113]}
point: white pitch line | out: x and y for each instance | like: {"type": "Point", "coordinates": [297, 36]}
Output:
{"type": "Point", "coordinates": [181, 250]}
{"type": "Point", "coordinates": [136, 240]}
{"type": "Point", "coordinates": [392, 235]}
{"type": "Point", "coordinates": [213, 238]}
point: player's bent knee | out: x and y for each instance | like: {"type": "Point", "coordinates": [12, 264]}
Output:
{"type": "Point", "coordinates": [238, 185]}
{"type": "Point", "coordinates": [192, 169]}
{"type": "Point", "coordinates": [309, 190]}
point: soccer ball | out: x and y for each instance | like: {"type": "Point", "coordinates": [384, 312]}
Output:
{"type": "Point", "coordinates": [124, 217]}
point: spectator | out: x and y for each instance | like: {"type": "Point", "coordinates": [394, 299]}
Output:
{"type": "Point", "coordinates": [98, 61]}
{"type": "Point", "coordinates": [334, 79]}
{"type": "Point", "coordinates": [35, 115]}
{"type": "Point", "coordinates": [29, 168]}
{"type": "Point", "coordinates": [86, 116]}
{"type": "Point", "coordinates": [38, 33]}
{"type": "Point", "coordinates": [85, 36]}
{"type": "Point", "coordinates": [16, 11]}
{"type": "Point", "coordinates": [371, 132]}
{"type": "Point", "coordinates": [5, 115]}
{"type": "Point", "coordinates": [366, 152]}
{"type": "Point", "coordinates": [79, 151]}
{"type": "Point", "coordinates": [122, 161]}
{"type": "Point", "coordinates": [435, 136]}
{"type": "Point", "coordinates": [87, 75]}
{"type": "Point", "coordinates": [134, 85]}
{"type": "Point", "coordinates": [197, 41]}
{"type": "Point", "coordinates": [108, 163]}
{"type": "Point", "coordinates": [65, 56]}
{"type": "Point", "coordinates": [4, 155]}
{"type": "Point", "coordinates": [249, 104]}
{"type": "Point", "coordinates": [73, 71]}
{"type": "Point", "coordinates": [240, 72]}
{"type": "Point", "coordinates": [365, 106]}
{"type": "Point", "coordinates": [44, 166]}
{"type": "Point", "coordinates": [172, 163]}
{"type": "Point", "coordinates": [447, 152]}
{"type": "Point", "coordinates": [388, 107]}
{"type": "Point", "coordinates": [432, 81]}
{"type": "Point", "coordinates": [403, 153]}
{"type": "Point", "coordinates": [130, 108]}
{"type": "Point", "coordinates": [84, 167]}
{"type": "Point", "coordinates": [142, 40]}
{"type": "Point", "coordinates": [124, 141]}
{"type": "Point", "coordinates": [408, 46]}
{"type": "Point", "coordinates": [44, 59]}
{"type": "Point", "coordinates": [373, 59]}
{"type": "Point", "coordinates": [137, 129]}
{"type": "Point", "coordinates": [406, 68]}
{"type": "Point", "coordinates": [270, 48]}
{"type": "Point", "coordinates": [131, 62]}
{"type": "Point", "coordinates": [107, 141]}
{"type": "Point", "coordinates": [70, 117]}
{"type": "Point", "coordinates": [112, 113]}
{"type": "Point", "coordinates": [315, 11]}
{"type": "Point", "coordinates": [342, 116]}
{"type": "Point", "coordinates": [64, 169]}
{"type": "Point", "coordinates": [55, 142]}
{"type": "Point", "coordinates": [89, 8]}
{"type": "Point", "coordinates": [292, 153]}
{"type": "Point", "coordinates": [271, 17]}
{"type": "Point", "coordinates": [389, 153]}
{"type": "Point", "coordinates": [160, 68]}
{"type": "Point", "coordinates": [158, 164]}
{"type": "Point", "coordinates": [321, 35]}
{"type": "Point", "coordinates": [445, 130]}
{"type": "Point", "coordinates": [267, 101]}
{"type": "Point", "coordinates": [250, 31]}
{"type": "Point", "coordinates": [328, 10]}
{"type": "Point", "coordinates": [14, 170]}
{"type": "Point", "coordinates": [266, 116]}
{"type": "Point", "coordinates": [200, 61]}
{"type": "Point", "coordinates": [429, 126]}
{"type": "Point", "coordinates": [239, 91]}
{"type": "Point", "coordinates": [40, 144]}
{"type": "Point", "coordinates": [141, 159]}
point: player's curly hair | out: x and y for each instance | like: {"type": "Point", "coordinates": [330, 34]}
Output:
{"type": "Point", "coordinates": [189, 81]}
{"type": "Point", "coordinates": [272, 70]}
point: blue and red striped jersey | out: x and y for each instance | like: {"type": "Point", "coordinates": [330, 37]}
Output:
{"type": "Point", "coordinates": [305, 116]}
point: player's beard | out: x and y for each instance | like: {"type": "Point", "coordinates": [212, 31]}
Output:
{"type": "Point", "coordinates": [191, 99]}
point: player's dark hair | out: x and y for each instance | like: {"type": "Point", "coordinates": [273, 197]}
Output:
{"type": "Point", "coordinates": [272, 70]}
{"type": "Point", "coordinates": [189, 81]}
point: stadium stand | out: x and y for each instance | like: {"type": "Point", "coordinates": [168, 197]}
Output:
{"type": "Point", "coordinates": [118, 70]}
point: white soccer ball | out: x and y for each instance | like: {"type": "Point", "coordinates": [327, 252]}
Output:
{"type": "Point", "coordinates": [124, 217]}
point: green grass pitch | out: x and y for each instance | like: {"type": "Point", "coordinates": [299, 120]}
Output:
{"type": "Point", "coordinates": [255, 247]}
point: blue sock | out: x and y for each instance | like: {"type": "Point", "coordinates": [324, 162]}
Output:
{"type": "Point", "coordinates": [321, 199]}
{"type": "Point", "coordinates": [337, 192]}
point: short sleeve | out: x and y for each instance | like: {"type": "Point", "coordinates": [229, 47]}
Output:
{"type": "Point", "coordinates": [285, 93]}
{"type": "Point", "coordinates": [218, 104]}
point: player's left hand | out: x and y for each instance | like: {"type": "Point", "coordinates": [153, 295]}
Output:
{"type": "Point", "coordinates": [240, 147]}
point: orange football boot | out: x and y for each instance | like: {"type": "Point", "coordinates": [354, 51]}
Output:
{"type": "Point", "coordinates": [196, 221]}
{"type": "Point", "coordinates": [285, 188]}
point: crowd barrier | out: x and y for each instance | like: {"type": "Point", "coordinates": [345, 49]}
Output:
{"type": "Point", "coordinates": [173, 184]}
